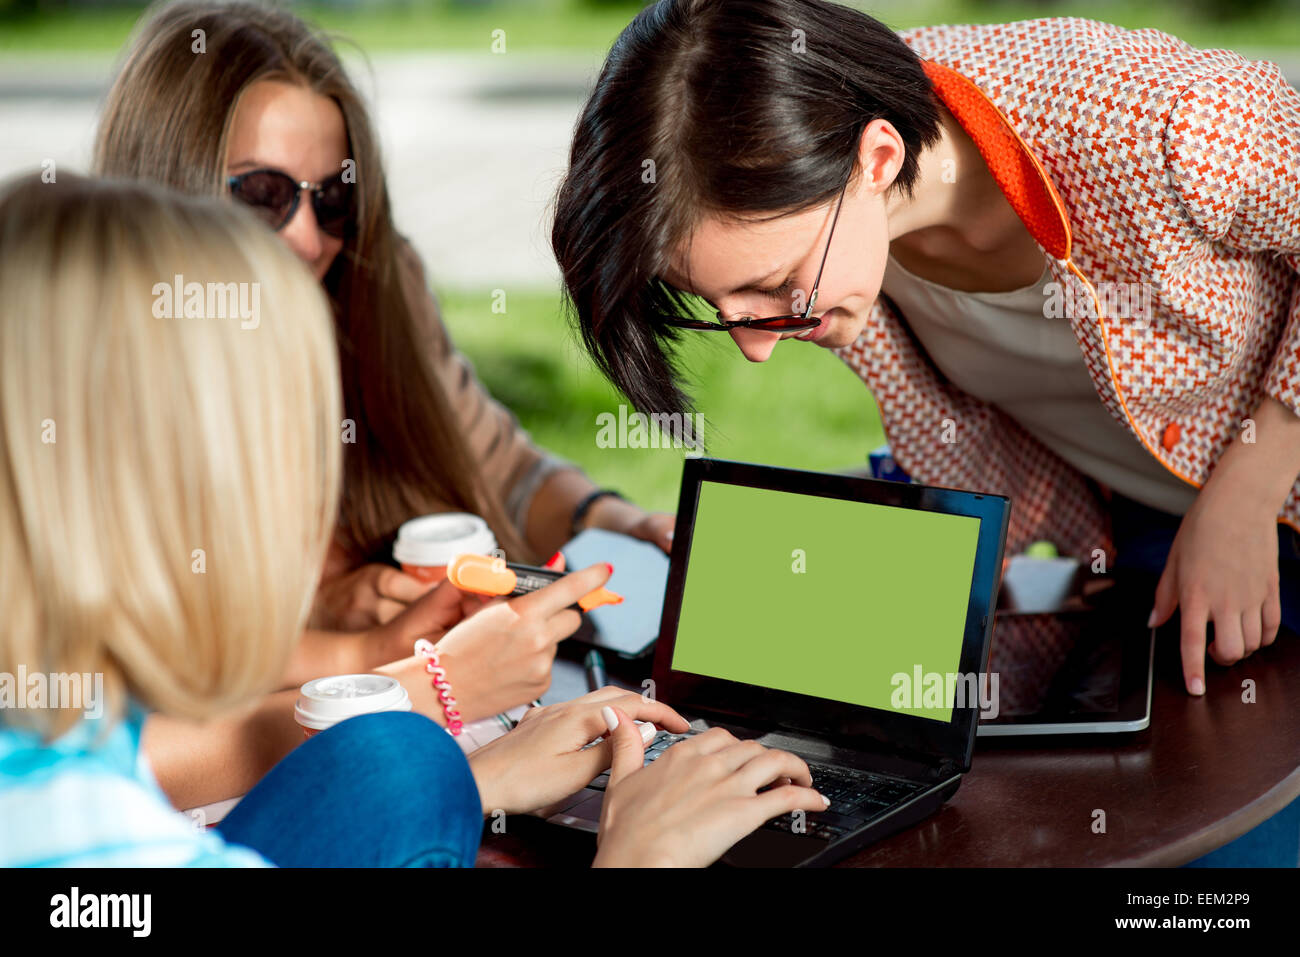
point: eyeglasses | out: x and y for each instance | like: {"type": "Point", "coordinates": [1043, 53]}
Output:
{"type": "Point", "coordinates": [780, 323]}
{"type": "Point", "coordinates": [274, 196]}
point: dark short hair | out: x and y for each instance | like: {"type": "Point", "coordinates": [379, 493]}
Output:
{"type": "Point", "coordinates": [736, 122]}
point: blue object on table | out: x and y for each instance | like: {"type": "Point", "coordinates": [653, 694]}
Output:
{"type": "Point", "coordinates": [884, 467]}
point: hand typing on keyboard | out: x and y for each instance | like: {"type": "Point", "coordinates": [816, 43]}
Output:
{"type": "Point", "coordinates": [855, 798]}
{"type": "Point", "coordinates": [546, 757]}
{"type": "Point", "coordinates": [689, 798]}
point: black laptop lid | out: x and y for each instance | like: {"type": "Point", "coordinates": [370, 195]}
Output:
{"type": "Point", "coordinates": [839, 606]}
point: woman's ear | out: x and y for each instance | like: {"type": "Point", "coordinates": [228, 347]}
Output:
{"type": "Point", "coordinates": [881, 152]}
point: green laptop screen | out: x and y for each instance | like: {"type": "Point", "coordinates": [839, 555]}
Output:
{"type": "Point", "coordinates": [824, 597]}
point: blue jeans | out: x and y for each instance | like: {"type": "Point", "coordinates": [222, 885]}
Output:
{"type": "Point", "coordinates": [1143, 537]}
{"type": "Point", "coordinates": [378, 790]}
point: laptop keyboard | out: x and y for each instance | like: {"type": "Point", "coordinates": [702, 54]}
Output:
{"type": "Point", "coordinates": [856, 796]}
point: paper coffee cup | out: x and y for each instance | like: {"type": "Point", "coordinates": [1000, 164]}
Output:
{"type": "Point", "coordinates": [425, 545]}
{"type": "Point", "coordinates": [1037, 585]}
{"type": "Point", "coordinates": [325, 702]}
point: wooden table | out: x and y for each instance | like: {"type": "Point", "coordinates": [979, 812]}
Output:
{"type": "Point", "coordinates": [1207, 771]}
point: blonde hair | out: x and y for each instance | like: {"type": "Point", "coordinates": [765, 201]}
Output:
{"type": "Point", "coordinates": [167, 485]}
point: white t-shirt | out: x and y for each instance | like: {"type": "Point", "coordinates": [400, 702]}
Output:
{"type": "Point", "coordinates": [999, 347]}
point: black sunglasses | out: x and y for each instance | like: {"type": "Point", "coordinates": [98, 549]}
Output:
{"type": "Point", "coordinates": [804, 320]}
{"type": "Point", "coordinates": [274, 196]}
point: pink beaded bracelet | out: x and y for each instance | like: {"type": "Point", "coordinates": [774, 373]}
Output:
{"type": "Point", "coordinates": [441, 684]}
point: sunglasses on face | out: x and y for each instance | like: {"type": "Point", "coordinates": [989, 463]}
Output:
{"type": "Point", "coordinates": [804, 320]}
{"type": "Point", "coordinates": [274, 196]}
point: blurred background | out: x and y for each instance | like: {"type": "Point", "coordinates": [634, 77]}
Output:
{"type": "Point", "coordinates": [475, 143]}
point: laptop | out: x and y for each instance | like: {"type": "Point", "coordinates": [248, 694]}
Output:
{"type": "Point", "coordinates": [841, 618]}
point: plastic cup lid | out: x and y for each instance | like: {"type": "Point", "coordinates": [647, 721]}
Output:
{"type": "Point", "coordinates": [327, 701]}
{"type": "Point", "coordinates": [434, 540]}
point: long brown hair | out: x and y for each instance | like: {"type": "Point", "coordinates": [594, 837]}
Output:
{"type": "Point", "coordinates": [167, 118]}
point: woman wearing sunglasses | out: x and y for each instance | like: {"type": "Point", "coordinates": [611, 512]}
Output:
{"type": "Point", "coordinates": [1064, 264]}
{"type": "Point", "coordinates": [265, 113]}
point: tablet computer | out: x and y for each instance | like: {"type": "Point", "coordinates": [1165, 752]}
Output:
{"type": "Point", "coordinates": [628, 629]}
{"type": "Point", "coordinates": [1084, 669]}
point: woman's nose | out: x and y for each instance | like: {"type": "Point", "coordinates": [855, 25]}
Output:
{"type": "Point", "coordinates": [755, 344]}
{"type": "Point", "coordinates": [302, 233]}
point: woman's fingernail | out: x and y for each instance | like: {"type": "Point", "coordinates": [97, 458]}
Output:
{"type": "Point", "coordinates": [1151, 619]}
{"type": "Point", "coordinates": [670, 536]}
{"type": "Point", "coordinates": [553, 560]}
{"type": "Point", "coordinates": [610, 567]}
{"type": "Point", "coordinates": [1198, 686]}
{"type": "Point", "coordinates": [611, 719]}
{"type": "Point", "coordinates": [825, 800]}
{"type": "Point", "coordinates": [648, 732]}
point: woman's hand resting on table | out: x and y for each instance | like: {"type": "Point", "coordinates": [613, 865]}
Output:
{"type": "Point", "coordinates": [1222, 567]}
{"type": "Point", "coordinates": [1223, 564]}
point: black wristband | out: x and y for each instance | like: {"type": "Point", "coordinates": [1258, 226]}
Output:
{"type": "Point", "coordinates": [584, 507]}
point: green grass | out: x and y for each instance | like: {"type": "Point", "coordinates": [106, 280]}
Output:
{"type": "Point", "coordinates": [802, 408]}
{"type": "Point", "coordinates": [546, 25]}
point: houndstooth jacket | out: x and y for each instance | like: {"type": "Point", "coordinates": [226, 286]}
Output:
{"type": "Point", "coordinates": [1132, 158]}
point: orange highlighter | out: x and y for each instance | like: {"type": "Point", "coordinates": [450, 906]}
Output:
{"type": "Point", "coordinates": [486, 575]}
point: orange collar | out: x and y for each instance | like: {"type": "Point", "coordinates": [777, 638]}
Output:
{"type": "Point", "coordinates": [1016, 169]}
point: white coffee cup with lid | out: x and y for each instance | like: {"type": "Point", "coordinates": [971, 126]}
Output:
{"type": "Point", "coordinates": [324, 702]}
{"type": "Point", "coordinates": [425, 545]}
